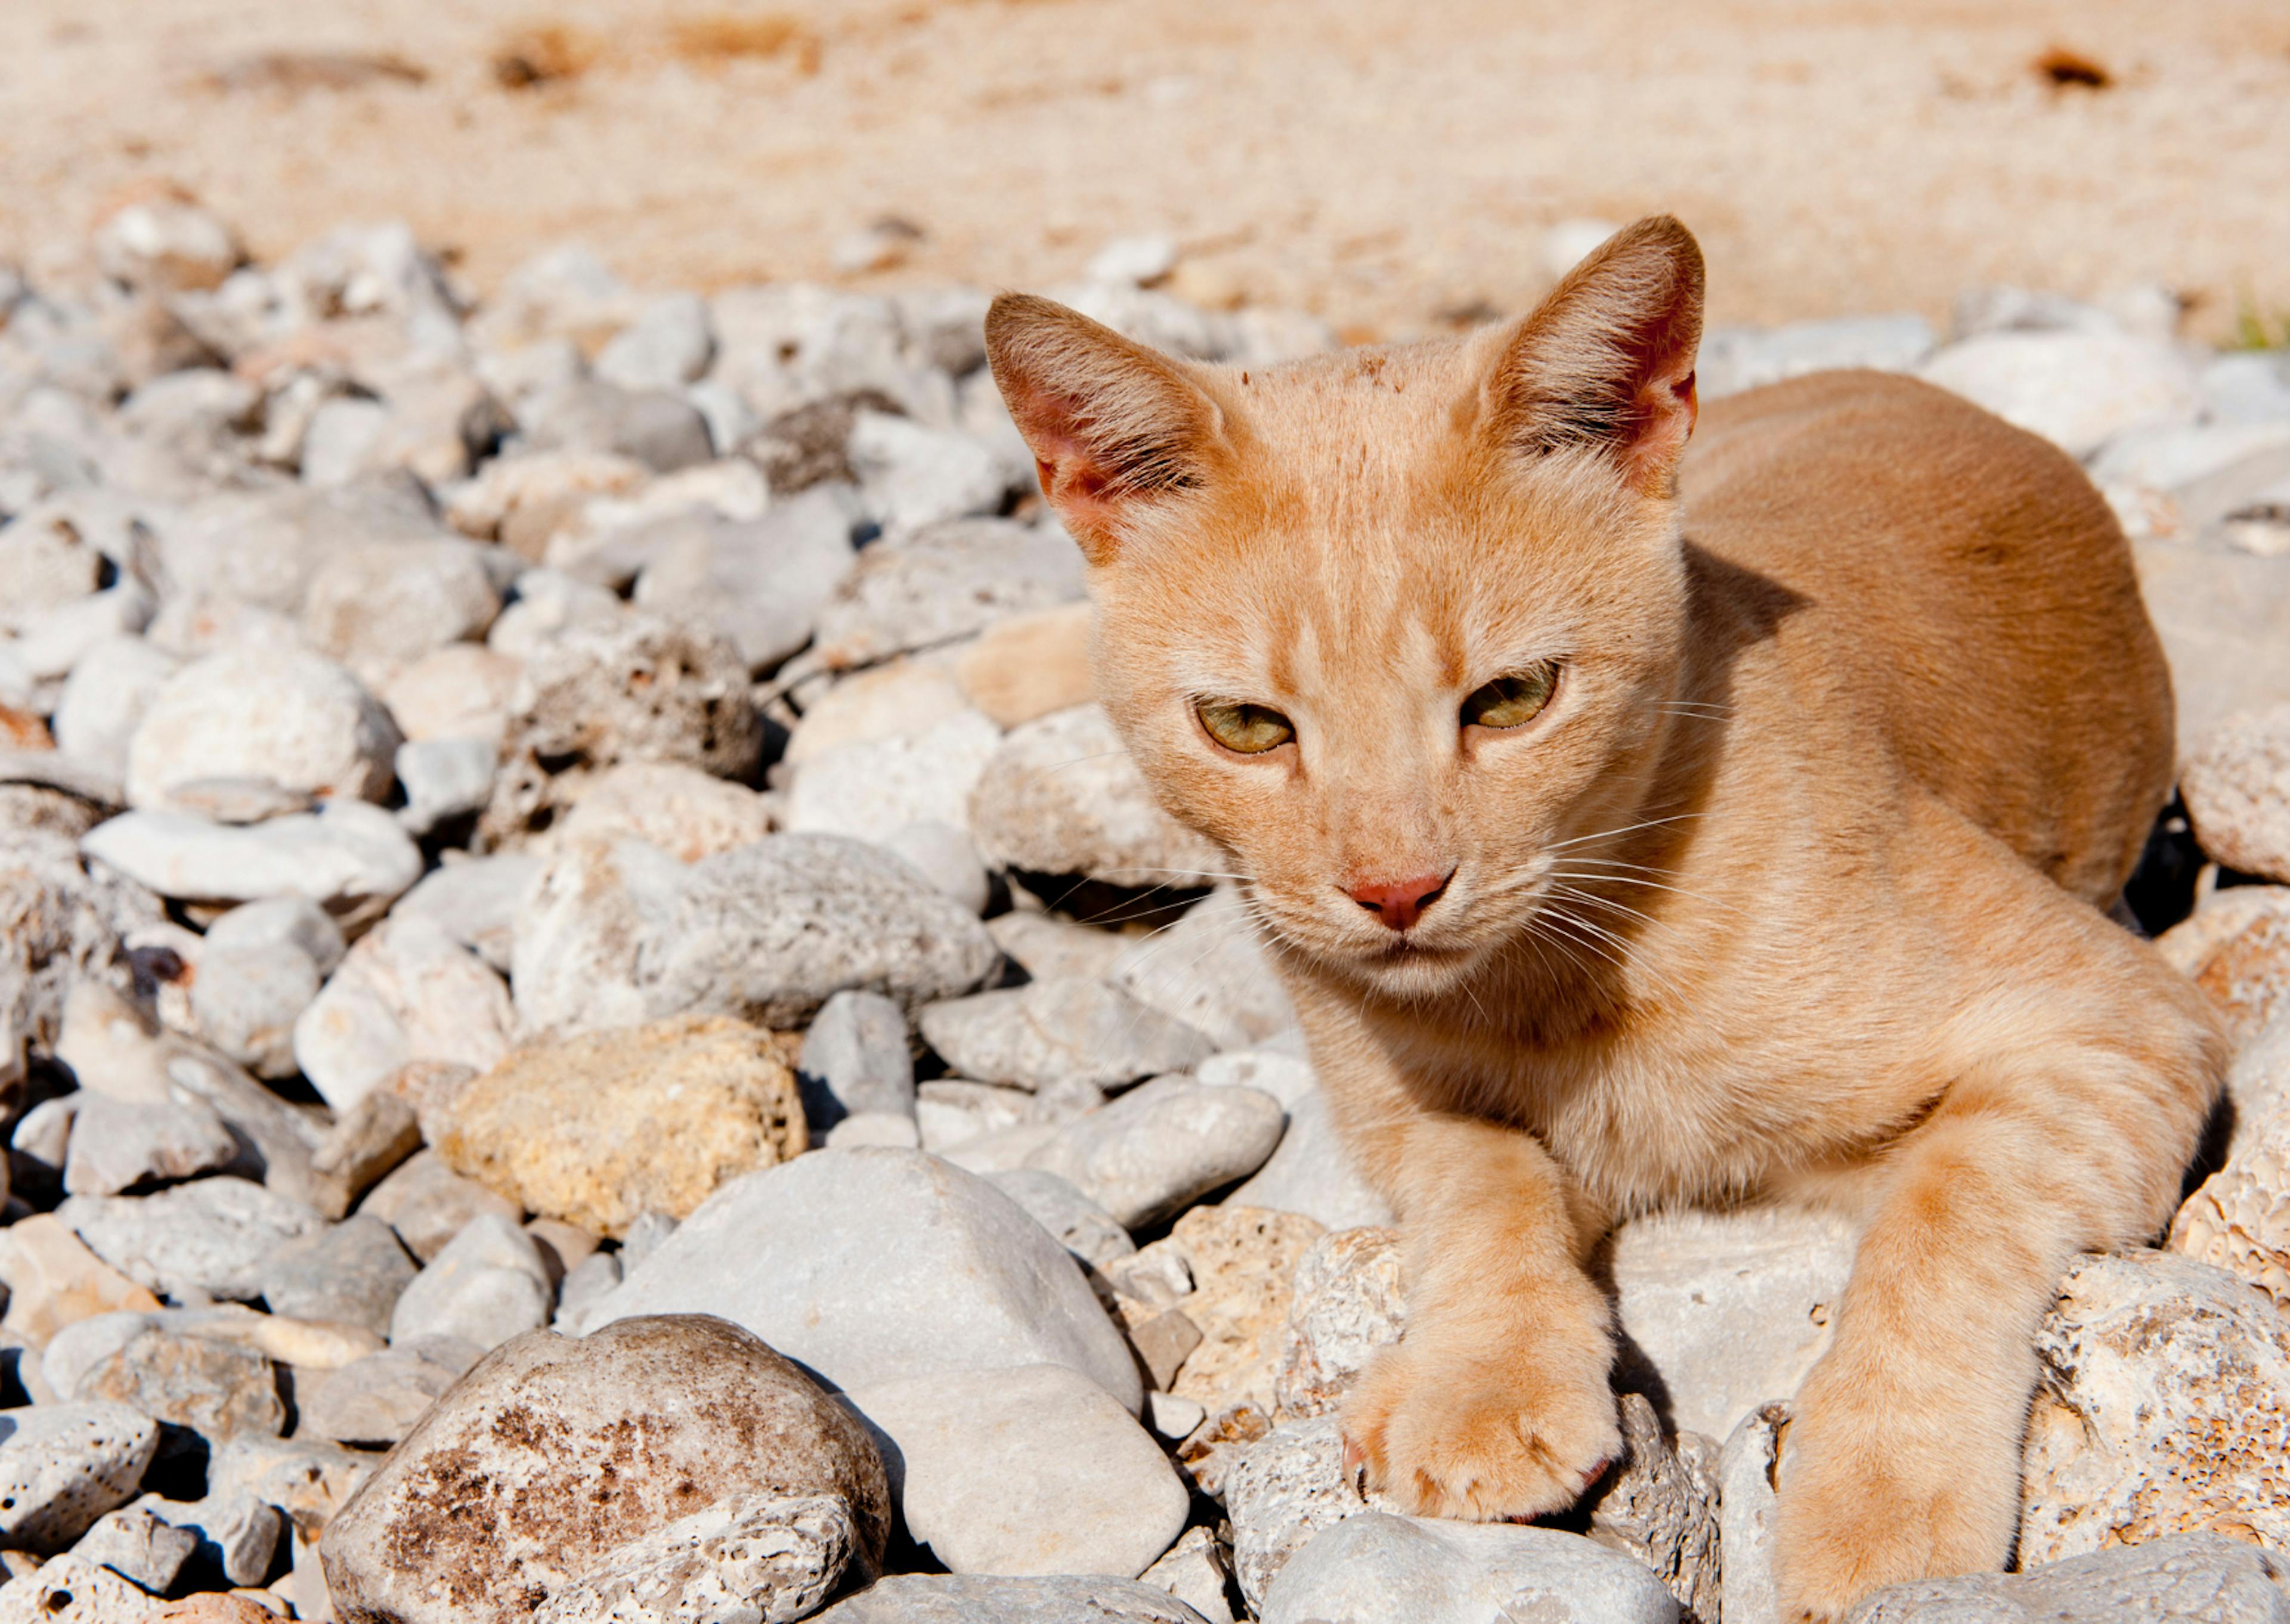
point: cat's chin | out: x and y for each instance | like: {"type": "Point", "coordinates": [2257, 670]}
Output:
{"type": "Point", "coordinates": [1406, 969]}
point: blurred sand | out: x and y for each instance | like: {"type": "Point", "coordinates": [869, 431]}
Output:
{"type": "Point", "coordinates": [1379, 163]}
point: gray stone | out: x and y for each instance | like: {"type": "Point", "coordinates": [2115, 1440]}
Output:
{"type": "Point", "coordinates": [1312, 1171]}
{"type": "Point", "coordinates": [1747, 1515]}
{"type": "Point", "coordinates": [1059, 1032]}
{"type": "Point", "coordinates": [407, 992]}
{"type": "Point", "coordinates": [964, 1598]}
{"type": "Point", "coordinates": [1281, 1492]}
{"type": "Point", "coordinates": [366, 1143]}
{"type": "Point", "coordinates": [1082, 1227]}
{"type": "Point", "coordinates": [43, 1134]}
{"type": "Point", "coordinates": [873, 789]}
{"type": "Point", "coordinates": [350, 858]}
{"type": "Point", "coordinates": [1036, 1470]}
{"type": "Point", "coordinates": [1164, 1144]}
{"type": "Point", "coordinates": [896, 1129]}
{"type": "Point", "coordinates": [953, 1112]}
{"type": "Point", "coordinates": [942, 583]}
{"type": "Point", "coordinates": [1375, 1567]}
{"type": "Point", "coordinates": [167, 246]}
{"type": "Point", "coordinates": [538, 1423]}
{"type": "Point", "coordinates": [2077, 389]}
{"type": "Point", "coordinates": [208, 1237]}
{"type": "Point", "coordinates": [259, 968]}
{"type": "Point", "coordinates": [646, 1232]}
{"type": "Point", "coordinates": [62, 1465]}
{"type": "Point", "coordinates": [295, 719]}
{"type": "Point", "coordinates": [381, 606]}
{"type": "Point", "coordinates": [487, 1285]}
{"type": "Point", "coordinates": [1195, 1571]}
{"type": "Point", "coordinates": [1045, 946]}
{"type": "Point", "coordinates": [759, 582]}
{"type": "Point", "coordinates": [475, 901]}
{"type": "Point", "coordinates": [215, 1388]}
{"type": "Point", "coordinates": [443, 778]}
{"type": "Point", "coordinates": [752, 1557]}
{"type": "Point", "coordinates": [2160, 1409]}
{"type": "Point", "coordinates": [307, 1480]}
{"type": "Point", "coordinates": [1209, 970]}
{"type": "Point", "coordinates": [110, 686]}
{"type": "Point", "coordinates": [351, 1273]}
{"type": "Point", "coordinates": [1061, 797]}
{"type": "Point", "coordinates": [668, 345]}
{"type": "Point", "coordinates": [584, 1285]}
{"type": "Point", "coordinates": [1347, 1303]}
{"type": "Point", "coordinates": [1660, 1505]}
{"type": "Point", "coordinates": [874, 1266]}
{"type": "Point", "coordinates": [946, 857]}
{"type": "Point", "coordinates": [911, 475]}
{"type": "Point", "coordinates": [1733, 1310]}
{"type": "Point", "coordinates": [71, 1590]}
{"type": "Point", "coordinates": [856, 1057]}
{"type": "Point", "coordinates": [376, 1400]}
{"type": "Point", "coordinates": [616, 935]}
{"type": "Point", "coordinates": [655, 427]}
{"type": "Point", "coordinates": [1733, 359]}
{"type": "Point", "coordinates": [61, 926]}
{"type": "Point", "coordinates": [237, 1532]}
{"type": "Point", "coordinates": [1288, 1078]}
{"type": "Point", "coordinates": [117, 1145]}
{"type": "Point", "coordinates": [137, 1545]}
{"type": "Point", "coordinates": [2207, 1577]}
{"type": "Point", "coordinates": [427, 1204]}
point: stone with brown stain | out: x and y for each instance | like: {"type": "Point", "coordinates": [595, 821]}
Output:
{"type": "Point", "coordinates": [1244, 1264]}
{"type": "Point", "coordinates": [2248, 975]}
{"type": "Point", "coordinates": [217, 1389]}
{"type": "Point", "coordinates": [553, 1452]}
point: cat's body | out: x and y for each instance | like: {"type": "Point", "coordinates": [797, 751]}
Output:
{"type": "Point", "coordinates": [1616, 860]}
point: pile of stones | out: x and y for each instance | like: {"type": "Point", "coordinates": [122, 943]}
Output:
{"type": "Point", "coordinates": [594, 1025]}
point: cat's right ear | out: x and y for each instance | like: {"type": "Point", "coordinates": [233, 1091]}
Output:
{"type": "Point", "coordinates": [1115, 428]}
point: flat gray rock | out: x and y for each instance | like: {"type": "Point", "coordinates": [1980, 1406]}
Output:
{"type": "Point", "coordinates": [215, 1388]}
{"type": "Point", "coordinates": [875, 1265]}
{"type": "Point", "coordinates": [427, 1204]}
{"type": "Point", "coordinates": [352, 1272]}
{"type": "Point", "coordinates": [136, 1543]}
{"type": "Point", "coordinates": [1082, 1227]}
{"type": "Point", "coordinates": [944, 582]}
{"type": "Point", "coordinates": [375, 1401]}
{"type": "Point", "coordinates": [2193, 1576]}
{"type": "Point", "coordinates": [117, 1144]}
{"type": "Point", "coordinates": [1164, 1144]}
{"type": "Point", "coordinates": [210, 1236]}
{"type": "Point", "coordinates": [474, 903]}
{"type": "Point", "coordinates": [957, 1598]}
{"type": "Point", "coordinates": [1375, 1568]}
{"type": "Point", "coordinates": [856, 1057]}
{"type": "Point", "coordinates": [491, 1501]}
{"type": "Point", "coordinates": [1062, 1030]}
{"type": "Point", "coordinates": [1209, 970]}
{"type": "Point", "coordinates": [1029, 1471]}
{"type": "Point", "coordinates": [490, 1283]}
{"type": "Point", "coordinates": [63, 1465]}
{"type": "Point", "coordinates": [349, 857]}
{"type": "Point", "coordinates": [614, 935]}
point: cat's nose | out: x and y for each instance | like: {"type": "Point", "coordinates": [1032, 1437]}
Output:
{"type": "Point", "coordinates": [1400, 903]}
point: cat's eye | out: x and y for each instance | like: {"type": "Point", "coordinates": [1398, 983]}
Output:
{"type": "Point", "coordinates": [1246, 730]}
{"type": "Point", "coordinates": [1513, 700]}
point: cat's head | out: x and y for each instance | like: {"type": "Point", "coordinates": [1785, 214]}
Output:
{"type": "Point", "coordinates": [1395, 627]}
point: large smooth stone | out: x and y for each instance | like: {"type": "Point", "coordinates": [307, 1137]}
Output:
{"type": "Point", "coordinates": [1374, 1568]}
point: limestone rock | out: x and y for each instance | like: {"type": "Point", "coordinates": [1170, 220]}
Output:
{"type": "Point", "coordinates": [2214, 1579]}
{"type": "Point", "coordinates": [1283, 1490]}
{"type": "Point", "coordinates": [1162, 1146]}
{"type": "Point", "coordinates": [2163, 1407]}
{"type": "Point", "coordinates": [610, 936]}
{"type": "Point", "coordinates": [1082, 1226]}
{"type": "Point", "coordinates": [210, 1236]}
{"type": "Point", "coordinates": [72, 1589]}
{"type": "Point", "coordinates": [379, 607]}
{"type": "Point", "coordinates": [260, 966]}
{"type": "Point", "coordinates": [1346, 1303]}
{"type": "Point", "coordinates": [1660, 1507]}
{"type": "Point", "coordinates": [758, 581]}
{"type": "Point", "coordinates": [2235, 779]}
{"type": "Point", "coordinates": [875, 1265]}
{"type": "Point", "coordinates": [942, 583]}
{"type": "Point", "coordinates": [1375, 1567]}
{"type": "Point", "coordinates": [1748, 1515]}
{"type": "Point", "coordinates": [969, 1598]}
{"type": "Point", "coordinates": [294, 718]}
{"type": "Point", "coordinates": [2077, 389]}
{"type": "Point", "coordinates": [489, 1284]}
{"type": "Point", "coordinates": [350, 858]}
{"type": "Point", "coordinates": [377, 1400]}
{"type": "Point", "coordinates": [755, 1556]}
{"type": "Point", "coordinates": [870, 790]}
{"type": "Point", "coordinates": [1063, 1030]}
{"type": "Point", "coordinates": [2240, 1220]}
{"type": "Point", "coordinates": [54, 1281]}
{"type": "Point", "coordinates": [63, 1465]}
{"type": "Point", "coordinates": [351, 1273]}
{"type": "Point", "coordinates": [597, 1129]}
{"type": "Point", "coordinates": [427, 1203]}
{"type": "Point", "coordinates": [137, 1545]}
{"type": "Point", "coordinates": [1061, 797]}
{"type": "Point", "coordinates": [117, 1145]}
{"type": "Point", "coordinates": [407, 992]}
{"type": "Point", "coordinates": [856, 1058]}
{"type": "Point", "coordinates": [1733, 1310]}
{"type": "Point", "coordinates": [687, 1413]}
{"type": "Point", "coordinates": [2248, 977]}
{"type": "Point", "coordinates": [1209, 970]}
{"type": "Point", "coordinates": [61, 925]}
{"type": "Point", "coordinates": [1036, 1470]}
{"type": "Point", "coordinates": [1312, 1171]}
{"type": "Point", "coordinates": [215, 1388]}
{"type": "Point", "coordinates": [685, 813]}
{"type": "Point", "coordinates": [1197, 1572]}
{"type": "Point", "coordinates": [1243, 1261]}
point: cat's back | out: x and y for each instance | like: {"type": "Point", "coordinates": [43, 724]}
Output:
{"type": "Point", "coordinates": [1955, 586]}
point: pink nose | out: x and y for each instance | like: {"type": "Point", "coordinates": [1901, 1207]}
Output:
{"type": "Point", "coordinates": [1400, 903]}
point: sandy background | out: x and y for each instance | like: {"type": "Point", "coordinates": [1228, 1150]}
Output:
{"type": "Point", "coordinates": [1387, 165]}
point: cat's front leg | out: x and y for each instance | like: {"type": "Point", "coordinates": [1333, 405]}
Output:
{"type": "Point", "coordinates": [1903, 1458]}
{"type": "Point", "coordinates": [1495, 1404]}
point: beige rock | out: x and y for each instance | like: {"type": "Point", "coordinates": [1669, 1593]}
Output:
{"type": "Point", "coordinates": [1661, 1506]}
{"type": "Point", "coordinates": [596, 1130]}
{"type": "Point", "coordinates": [373, 1137]}
{"type": "Point", "coordinates": [2248, 977]}
{"type": "Point", "coordinates": [1048, 947]}
{"type": "Point", "coordinates": [2236, 779]}
{"type": "Point", "coordinates": [406, 992]}
{"type": "Point", "coordinates": [463, 691]}
{"type": "Point", "coordinates": [1346, 1303]}
{"type": "Point", "coordinates": [70, 1589]}
{"type": "Point", "coordinates": [54, 1280]}
{"type": "Point", "coordinates": [525, 500]}
{"type": "Point", "coordinates": [2240, 1220]}
{"type": "Point", "coordinates": [886, 701]}
{"type": "Point", "coordinates": [1061, 797]}
{"type": "Point", "coordinates": [2223, 915]}
{"type": "Point", "coordinates": [427, 1202]}
{"type": "Point", "coordinates": [1244, 1261]}
{"type": "Point", "coordinates": [217, 1607]}
{"type": "Point", "coordinates": [2163, 1407]}
{"type": "Point", "coordinates": [218, 1389]}
{"type": "Point", "coordinates": [1030, 665]}
{"type": "Point", "coordinates": [685, 813]}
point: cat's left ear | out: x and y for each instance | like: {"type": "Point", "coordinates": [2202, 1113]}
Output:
{"type": "Point", "coordinates": [1607, 361]}
{"type": "Point", "coordinates": [1115, 428]}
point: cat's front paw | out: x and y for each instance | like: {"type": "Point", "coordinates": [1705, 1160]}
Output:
{"type": "Point", "coordinates": [1481, 1441]}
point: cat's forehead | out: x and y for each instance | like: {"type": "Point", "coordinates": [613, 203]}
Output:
{"type": "Point", "coordinates": [1387, 389]}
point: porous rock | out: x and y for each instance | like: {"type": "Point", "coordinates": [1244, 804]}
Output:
{"type": "Point", "coordinates": [60, 923]}
{"type": "Point", "coordinates": [597, 1129]}
{"type": "Point", "coordinates": [617, 934]}
{"type": "Point", "coordinates": [876, 1265]}
{"type": "Point", "coordinates": [686, 813]}
{"type": "Point", "coordinates": [294, 718]}
{"type": "Point", "coordinates": [764, 1557]}
{"type": "Point", "coordinates": [1036, 1470]}
{"type": "Point", "coordinates": [684, 1412]}
{"type": "Point", "coordinates": [2236, 781]}
{"type": "Point", "coordinates": [1061, 797]}
{"type": "Point", "coordinates": [1660, 1507]}
{"type": "Point", "coordinates": [63, 1465]}
{"type": "Point", "coordinates": [2214, 1579]}
{"type": "Point", "coordinates": [2239, 1219]}
{"type": "Point", "coordinates": [72, 1589]}
{"type": "Point", "coordinates": [1346, 1302]}
{"type": "Point", "coordinates": [1243, 1261]}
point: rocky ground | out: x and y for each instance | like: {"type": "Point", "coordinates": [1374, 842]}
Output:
{"type": "Point", "coordinates": [595, 1025]}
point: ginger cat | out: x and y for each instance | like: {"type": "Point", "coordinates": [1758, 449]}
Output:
{"type": "Point", "coordinates": [1635, 827]}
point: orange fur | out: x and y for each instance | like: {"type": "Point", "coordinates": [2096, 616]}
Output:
{"type": "Point", "coordinates": [1790, 893]}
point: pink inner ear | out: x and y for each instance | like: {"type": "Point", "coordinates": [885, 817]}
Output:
{"type": "Point", "coordinates": [1073, 478]}
{"type": "Point", "coordinates": [1669, 406]}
